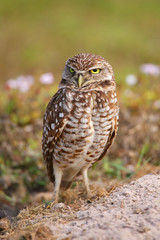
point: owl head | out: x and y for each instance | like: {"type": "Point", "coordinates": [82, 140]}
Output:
{"type": "Point", "coordinates": [85, 69]}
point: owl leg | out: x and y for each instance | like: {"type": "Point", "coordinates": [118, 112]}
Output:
{"type": "Point", "coordinates": [58, 178]}
{"type": "Point", "coordinates": [86, 183]}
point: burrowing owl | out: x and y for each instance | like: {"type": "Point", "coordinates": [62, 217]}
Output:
{"type": "Point", "coordinates": [81, 120]}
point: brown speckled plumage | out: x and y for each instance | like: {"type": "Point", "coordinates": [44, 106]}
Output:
{"type": "Point", "coordinates": [80, 122]}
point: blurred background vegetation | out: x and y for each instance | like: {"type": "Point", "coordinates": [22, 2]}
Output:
{"type": "Point", "coordinates": [37, 37]}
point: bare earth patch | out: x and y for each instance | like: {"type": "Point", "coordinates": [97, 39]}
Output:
{"type": "Point", "coordinates": [129, 212]}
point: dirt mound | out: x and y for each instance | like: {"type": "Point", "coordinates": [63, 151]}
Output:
{"type": "Point", "coordinates": [129, 212]}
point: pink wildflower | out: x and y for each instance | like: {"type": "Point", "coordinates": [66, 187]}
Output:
{"type": "Point", "coordinates": [150, 69]}
{"type": "Point", "coordinates": [47, 78]}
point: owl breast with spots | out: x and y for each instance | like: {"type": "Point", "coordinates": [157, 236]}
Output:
{"type": "Point", "coordinates": [90, 122]}
{"type": "Point", "coordinates": [77, 135]}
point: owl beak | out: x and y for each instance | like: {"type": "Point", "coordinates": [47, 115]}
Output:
{"type": "Point", "coordinates": [80, 80]}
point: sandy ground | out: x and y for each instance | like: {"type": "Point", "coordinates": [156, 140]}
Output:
{"type": "Point", "coordinates": [130, 212]}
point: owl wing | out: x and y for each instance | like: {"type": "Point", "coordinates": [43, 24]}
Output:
{"type": "Point", "coordinates": [54, 121]}
{"type": "Point", "coordinates": [112, 134]}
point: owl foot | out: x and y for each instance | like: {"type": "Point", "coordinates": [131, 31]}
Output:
{"type": "Point", "coordinates": [89, 194]}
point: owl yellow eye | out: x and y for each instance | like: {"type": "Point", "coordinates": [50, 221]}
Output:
{"type": "Point", "coordinates": [71, 70]}
{"type": "Point", "coordinates": [96, 70]}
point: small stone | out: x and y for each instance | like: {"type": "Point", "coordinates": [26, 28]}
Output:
{"type": "Point", "coordinates": [59, 206]}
